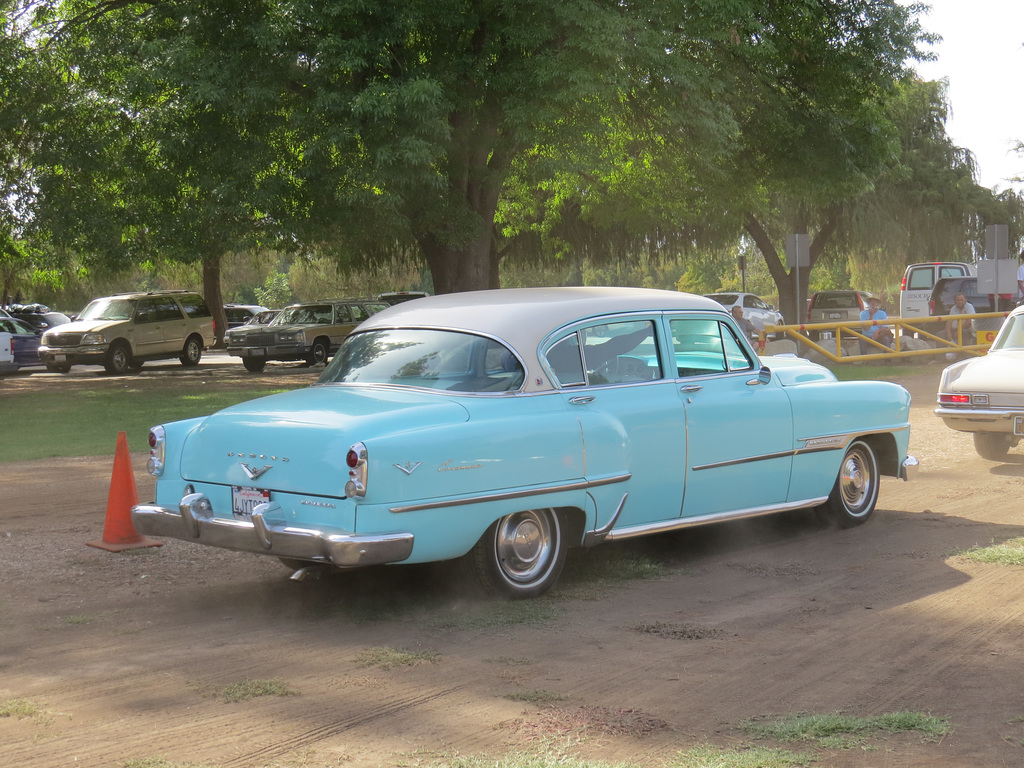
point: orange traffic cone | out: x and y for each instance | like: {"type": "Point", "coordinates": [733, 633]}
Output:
{"type": "Point", "coordinates": [118, 532]}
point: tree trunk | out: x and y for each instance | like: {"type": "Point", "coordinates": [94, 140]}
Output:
{"type": "Point", "coordinates": [212, 294]}
{"type": "Point", "coordinates": [792, 297]}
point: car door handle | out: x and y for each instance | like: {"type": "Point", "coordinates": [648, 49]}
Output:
{"type": "Point", "coordinates": [581, 399]}
{"type": "Point", "coordinates": [692, 388]}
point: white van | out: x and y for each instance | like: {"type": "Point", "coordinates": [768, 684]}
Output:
{"type": "Point", "coordinates": [918, 281]}
{"type": "Point", "coordinates": [7, 364]}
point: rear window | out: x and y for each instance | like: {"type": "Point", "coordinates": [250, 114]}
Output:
{"type": "Point", "coordinates": [427, 359]}
{"type": "Point", "coordinates": [836, 300]}
{"type": "Point", "coordinates": [194, 305]}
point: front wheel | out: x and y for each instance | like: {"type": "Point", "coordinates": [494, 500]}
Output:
{"type": "Point", "coordinates": [853, 497]}
{"type": "Point", "coordinates": [521, 555]}
{"type": "Point", "coordinates": [992, 445]}
{"type": "Point", "coordinates": [119, 358]}
{"type": "Point", "coordinates": [58, 367]}
{"type": "Point", "coordinates": [191, 352]}
{"type": "Point", "coordinates": [254, 364]}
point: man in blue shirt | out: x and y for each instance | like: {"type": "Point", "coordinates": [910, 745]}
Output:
{"type": "Point", "coordinates": [880, 333]}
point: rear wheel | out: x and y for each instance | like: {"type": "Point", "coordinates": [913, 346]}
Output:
{"type": "Point", "coordinates": [521, 555]}
{"type": "Point", "coordinates": [855, 493]}
{"type": "Point", "coordinates": [119, 358]}
{"type": "Point", "coordinates": [992, 445]}
{"type": "Point", "coordinates": [191, 352]}
{"type": "Point", "coordinates": [254, 364]}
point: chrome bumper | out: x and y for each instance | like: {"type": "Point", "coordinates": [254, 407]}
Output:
{"type": "Point", "coordinates": [980, 419]}
{"type": "Point", "coordinates": [193, 520]}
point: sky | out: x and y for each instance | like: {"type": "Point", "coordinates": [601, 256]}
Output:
{"type": "Point", "coordinates": [982, 56]}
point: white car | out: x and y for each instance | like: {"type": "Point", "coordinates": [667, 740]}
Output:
{"type": "Point", "coordinates": [755, 309]}
{"type": "Point", "coordinates": [985, 395]}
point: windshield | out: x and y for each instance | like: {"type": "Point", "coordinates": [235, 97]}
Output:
{"type": "Point", "coordinates": [449, 360]}
{"type": "Point", "coordinates": [310, 314]}
{"type": "Point", "coordinates": [1011, 335]}
{"type": "Point", "coordinates": [108, 309]}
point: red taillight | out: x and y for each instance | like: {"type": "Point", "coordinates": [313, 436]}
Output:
{"type": "Point", "coordinates": [352, 459]}
{"type": "Point", "coordinates": [955, 399]}
{"type": "Point", "coordinates": [152, 439]}
{"type": "Point", "coordinates": [931, 306]}
{"type": "Point", "coordinates": [903, 283]}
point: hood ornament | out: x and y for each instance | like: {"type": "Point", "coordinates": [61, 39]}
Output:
{"type": "Point", "coordinates": [254, 473]}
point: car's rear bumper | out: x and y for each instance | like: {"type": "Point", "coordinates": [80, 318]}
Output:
{"type": "Point", "coordinates": [193, 520]}
{"type": "Point", "coordinates": [983, 419]}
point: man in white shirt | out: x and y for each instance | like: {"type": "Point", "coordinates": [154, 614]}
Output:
{"type": "Point", "coordinates": [961, 306]}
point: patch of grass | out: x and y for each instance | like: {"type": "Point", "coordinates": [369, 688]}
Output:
{"type": "Point", "coordinates": [677, 631]}
{"type": "Point", "coordinates": [1010, 552]}
{"type": "Point", "coordinates": [389, 658]}
{"type": "Point", "coordinates": [18, 708]}
{"type": "Point", "coordinates": [840, 731]}
{"type": "Point", "coordinates": [708, 756]}
{"type": "Point", "coordinates": [589, 574]}
{"type": "Point", "coordinates": [539, 696]}
{"type": "Point", "coordinates": [253, 689]}
{"type": "Point", "coordinates": [539, 759]}
{"type": "Point", "coordinates": [85, 422]}
{"type": "Point", "coordinates": [496, 615]}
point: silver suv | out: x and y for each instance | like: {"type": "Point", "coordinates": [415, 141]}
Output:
{"type": "Point", "coordinates": [120, 332]}
{"type": "Point", "coordinates": [308, 332]}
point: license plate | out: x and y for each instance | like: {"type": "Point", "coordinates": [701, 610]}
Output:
{"type": "Point", "coordinates": [835, 315]}
{"type": "Point", "coordinates": [59, 358]}
{"type": "Point", "coordinates": [1018, 425]}
{"type": "Point", "coordinates": [255, 351]}
{"type": "Point", "coordinates": [244, 500]}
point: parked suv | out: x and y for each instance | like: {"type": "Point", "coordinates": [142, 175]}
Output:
{"type": "Point", "coordinates": [836, 307]}
{"type": "Point", "coordinates": [920, 279]}
{"type": "Point", "coordinates": [310, 332]}
{"type": "Point", "coordinates": [122, 331]}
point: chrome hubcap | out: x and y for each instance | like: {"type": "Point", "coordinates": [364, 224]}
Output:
{"type": "Point", "coordinates": [524, 544]}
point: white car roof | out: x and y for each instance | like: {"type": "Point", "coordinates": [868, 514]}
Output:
{"type": "Point", "coordinates": [522, 317]}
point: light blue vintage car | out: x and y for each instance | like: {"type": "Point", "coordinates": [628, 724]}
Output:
{"type": "Point", "coordinates": [505, 426]}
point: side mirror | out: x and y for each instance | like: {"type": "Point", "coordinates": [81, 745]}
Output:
{"type": "Point", "coordinates": [764, 375]}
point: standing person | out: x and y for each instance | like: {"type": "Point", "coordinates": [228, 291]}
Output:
{"type": "Point", "coordinates": [1020, 277]}
{"type": "Point", "coordinates": [745, 325]}
{"type": "Point", "coordinates": [880, 333]}
{"type": "Point", "coordinates": [954, 328]}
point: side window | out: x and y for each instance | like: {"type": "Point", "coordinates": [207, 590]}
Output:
{"type": "Point", "coordinates": [342, 314]}
{"type": "Point", "coordinates": [166, 309]}
{"type": "Point", "coordinates": [565, 361]}
{"type": "Point", "coordinates": [618, 353]}
{"type": "Point", "coordinates": [358, 313]}
{"type": "Point", "coordinates": [703, 347]}
{"type": "Point", "coordinates": [735, 354]}
{"type": "Point", "coordinates": [951, 271]}
{"type": "Point", "coordinates": [146, 311]}
{"type": "Point", "coordinates": [920, 279]}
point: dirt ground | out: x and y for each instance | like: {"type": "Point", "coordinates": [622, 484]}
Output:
{"type": "Point", "coordinates": [129, 656]}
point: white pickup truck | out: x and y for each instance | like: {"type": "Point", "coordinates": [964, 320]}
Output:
{"type": "Point", "coordinates": [7, 364]}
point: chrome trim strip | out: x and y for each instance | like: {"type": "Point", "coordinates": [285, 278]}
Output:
{"type": "Point", "coordinates": [595, 537]}
{"type": "Point", "coordinates": [691, 522]}
{"type": "Point", "coordinates": [579, 485]}
{"type": "Point", "coordinates": [811, 445]}
{"type": "Point", "coordinates": [748, 460]}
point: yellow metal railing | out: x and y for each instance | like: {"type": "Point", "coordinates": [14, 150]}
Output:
{"type": "Point", "coordinates": [856, 330]}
